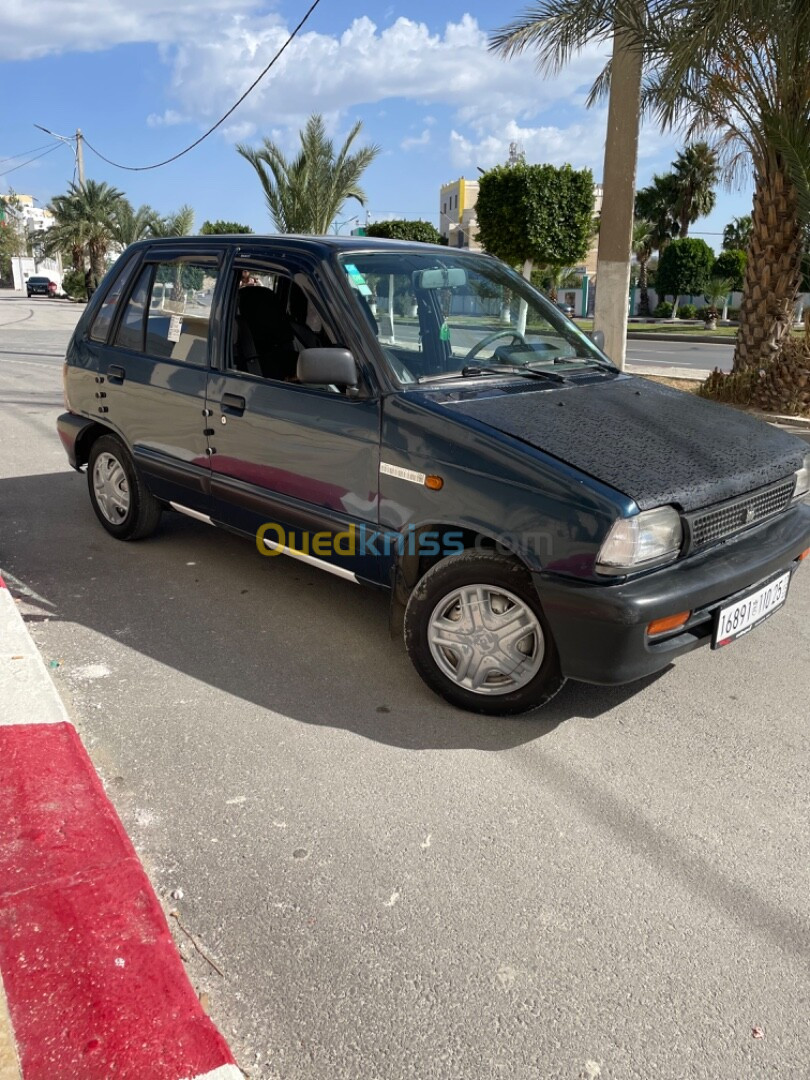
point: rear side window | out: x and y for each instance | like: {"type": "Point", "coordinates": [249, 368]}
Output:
{"type": "Point", "coordinates": [132, 327]}
{"type": "Point", "coordinates": [179, 311]}
{"type": "Point", "coordinates": [101, 324]}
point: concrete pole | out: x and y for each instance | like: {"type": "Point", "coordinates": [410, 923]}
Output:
{"type": "Point", "coordinates": [619, 178]}
{"type": "Point", "coordinates": [80, 156]}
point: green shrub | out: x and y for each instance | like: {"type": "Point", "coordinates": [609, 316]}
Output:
{"type": "Point", "coordinates": [663, 311]}
{"type": "Point", "coordinates": [687, 311]}
{"type": "Point", "coordinates": [73, 285]}
{"type": "Point", "coordinates": [733, 313]}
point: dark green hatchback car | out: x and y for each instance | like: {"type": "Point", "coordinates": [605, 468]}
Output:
{"type": "Point", "coordinates": [426, 422]}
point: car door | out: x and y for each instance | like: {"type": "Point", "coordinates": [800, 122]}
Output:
{"type": "Point", "coordinates": [157, 369]}
{"type": "Point", "coordinates": [298, 462]}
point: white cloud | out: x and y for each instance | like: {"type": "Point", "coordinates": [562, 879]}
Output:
{"type": "Point", "coordinates": [580, 144]}
{"type": "Point", "coordinates": [166, 119]}
{"type": "Point", "coordinates": [413, 142]}
{"type": "Point", "coordinates": [365, 65]}
{"type": "Point", "coordinates": [58, 26]}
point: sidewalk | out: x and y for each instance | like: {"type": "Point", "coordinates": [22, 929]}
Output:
{"type": "Point", "coordinates": [94, 984]}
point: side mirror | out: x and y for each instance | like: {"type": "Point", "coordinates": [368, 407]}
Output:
{"type": "Point", "coordinates": [598, 338]}
{"type": "Point", "coordinates": [326, 365]}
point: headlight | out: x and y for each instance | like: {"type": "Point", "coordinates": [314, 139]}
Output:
{"type": "Point", "coordinates": [652, 537]}
{"type": "Point", "coordinates": [802, 479]}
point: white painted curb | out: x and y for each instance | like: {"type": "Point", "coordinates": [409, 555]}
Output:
{"type": "Point", "coordinates": [27, 692]}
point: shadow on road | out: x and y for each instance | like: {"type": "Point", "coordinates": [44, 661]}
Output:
{"type": "Point", "coordinates": [269, 630]}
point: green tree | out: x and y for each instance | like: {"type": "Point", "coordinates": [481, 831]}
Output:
{"type": "Point", "coordinates": [731, 264]}
{"type": "Point", "coordinates": [737, 234]}
{"type": "Point", "coordinates": [130, 225]}
{"type": "Point", "coordinates": [696, 171]}
{"type": "Point", "coordinates": [68, 233]}
{"type": "Point", "coordinates": [85, 223]}
{"type": "Point", "coordinates": [685, 267]}
{"type": "Point", "coordinates": [644, 237]}
{"type": "Point", "coordinates": [657, 203]}
{"type": "Point", "coordinates": [178, 223]}
{"type": "Point", "coordinates": [12, 237]}
{"type": "Point", "coordinates": [715, 293]}
{"type": "Point", "coordinates": [305, 194]}
{"type": "Point", "coordinates": [419, 231]}
{"type": "Point", "coordinates": [223, 228]}
{"type": "Point", "coordinates": [536, 213]}
{"type": "Point", "coordinates": [740, 69]}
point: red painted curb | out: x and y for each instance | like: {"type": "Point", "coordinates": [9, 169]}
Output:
{"type": "Point", "coordinates": [95, 985]}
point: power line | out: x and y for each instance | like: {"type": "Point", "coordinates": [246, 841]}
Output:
{"type": "Point", "coordinates": [222, 119]}
{"type": "Point", "coordinates": [13, 157]}
{"type": "Point", "coordinates": [22, 165]}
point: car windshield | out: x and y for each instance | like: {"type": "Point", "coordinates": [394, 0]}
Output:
{"type": "Point", "coordinates": [444, 316]}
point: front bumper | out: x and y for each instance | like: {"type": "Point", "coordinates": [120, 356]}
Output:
{"type": "Point", "coordinates": [601, 630]}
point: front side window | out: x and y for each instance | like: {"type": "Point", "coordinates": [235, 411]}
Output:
{"type": "Point", "coordinates": [179, 311]}
{"type": "Point", "coordinates": [448, 315]}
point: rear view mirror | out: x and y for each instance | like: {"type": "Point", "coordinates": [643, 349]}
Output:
{"type": "Point", "coordinates": [598, 338]}
{"type": "Point", "coordinates": [327, 366]}
{"type": "Point", "coordinates": [440, 278]}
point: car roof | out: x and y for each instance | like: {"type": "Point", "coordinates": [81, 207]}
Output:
{"type": "Point", "coordinates": [320, 244]}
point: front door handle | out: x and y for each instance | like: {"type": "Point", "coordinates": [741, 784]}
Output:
{"type": "Point", "coordinates": [116, 373]}
{"type": "Point", "coordinates": [233, 404]}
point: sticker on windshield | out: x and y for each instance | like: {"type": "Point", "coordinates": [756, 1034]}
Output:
{"type": "Point", "coordinates": [357, 279]}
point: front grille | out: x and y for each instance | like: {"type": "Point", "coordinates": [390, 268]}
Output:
{"type": "Point", "coordinates": [710, 526]}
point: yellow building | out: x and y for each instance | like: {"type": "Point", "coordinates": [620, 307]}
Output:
{"type": "Point", "coordinates": [457, 220]}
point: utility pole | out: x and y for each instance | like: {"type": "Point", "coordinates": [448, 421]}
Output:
{"type": "Point", "coordinates": [619, 179]}
{"type": "Point", "coordinates": [79, 157]}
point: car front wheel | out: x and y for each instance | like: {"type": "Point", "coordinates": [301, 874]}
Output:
{"type": "Point", "coordinates": [477, 635]}
{"type": "Point", "coordinates": [121, 500]}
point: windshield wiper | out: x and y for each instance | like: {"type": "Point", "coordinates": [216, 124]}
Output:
{"type": "Point", "coordinates": [471, 371]}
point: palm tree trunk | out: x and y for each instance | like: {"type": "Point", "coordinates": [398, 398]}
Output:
{"type": "Point", "coordinates": [773, 272]}
{"type": "Point", "coordinates": [643, 294]}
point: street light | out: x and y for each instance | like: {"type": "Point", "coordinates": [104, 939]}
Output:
{"type": "Point", "coordinates": [338, 225]}
{"type": "Point", "coordinates": [78, 149]}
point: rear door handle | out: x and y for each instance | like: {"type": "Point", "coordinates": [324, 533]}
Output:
{"type": "Point", "coordinates": [116, 373]}
{"type": "Point", "coordinates": [233, 404]}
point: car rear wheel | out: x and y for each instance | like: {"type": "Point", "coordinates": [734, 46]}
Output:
{"type": "Point", "coordinates": [477, 635]}
{"type": "Point", "coordinates": [121, 500]}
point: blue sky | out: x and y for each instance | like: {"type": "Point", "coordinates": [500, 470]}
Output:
{"type": "Point", "coordinates": [143, 78]}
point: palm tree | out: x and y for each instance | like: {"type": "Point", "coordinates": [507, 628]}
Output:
{"type": "Point", "coordinates": [305, 194]}
{"type": "Point", "coordinates": [737, 234]}
{"type": "Point", "coordinates": [179, 223]}
{"type": "Point", "coordinates": [130, 225]}
{"type": "Point", "coordinates": [741, 68]}
{"type": "Point", "coordinates": [657, 204]}
{"type": "Point", "coordinates": [557, 30]}
{"type": "Point", "coordinates": [716, 295]}
{"type": "Point", "coordinates": [95, 206]}
{"type": "Point", "coordinates": [644, 238]}
{"type": "Point", "coordinates": [68, 234]}
{"type": "Point", "coordinates": [696, 171]}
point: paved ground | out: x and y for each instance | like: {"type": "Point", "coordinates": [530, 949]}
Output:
{"type": "Point", "coordinates": [680, 354]}
{"type": "Point", "coordinates": [386, 887]}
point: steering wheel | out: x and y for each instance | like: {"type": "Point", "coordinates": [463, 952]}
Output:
{"type": "Point", "coordinates": [482, 344]}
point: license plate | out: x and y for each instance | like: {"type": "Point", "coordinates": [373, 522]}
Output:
{"type": "Point", "coordinates": [749, 611]}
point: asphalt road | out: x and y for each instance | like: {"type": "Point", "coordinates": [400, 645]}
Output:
{"type": "Point", "coordinates": [616, 888]}
{"type": "Point", "coordinates": [703, 356]}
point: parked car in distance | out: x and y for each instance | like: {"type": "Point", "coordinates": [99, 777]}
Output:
{"type": "Point", "coordinates": [567, 309]}
{"type": "Point", "coordinates": [40, 286]}
{"type": "Point", "coordinates": [534, 513]}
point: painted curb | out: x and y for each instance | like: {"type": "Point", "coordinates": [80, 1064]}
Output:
{"type": "Point", "coordinates": [94, 984]}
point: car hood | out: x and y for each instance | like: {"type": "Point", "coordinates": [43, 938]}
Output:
{"type": "Point", "coordinates": [654, 444]}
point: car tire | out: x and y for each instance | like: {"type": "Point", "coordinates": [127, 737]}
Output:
{"type": "Point", "coordinates": [122, 502]}
{"type": "Point", "coordinates": [479, 664]}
